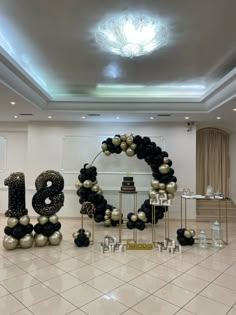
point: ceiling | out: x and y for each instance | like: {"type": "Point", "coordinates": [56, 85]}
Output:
{"type": "Point", "coordinates": [51, 64]}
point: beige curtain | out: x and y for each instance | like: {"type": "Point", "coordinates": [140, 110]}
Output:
{"type": "Point", "coordinates": [212, 160]}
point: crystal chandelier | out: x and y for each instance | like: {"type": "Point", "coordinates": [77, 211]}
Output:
{"type": "Point", "coordinates": [131, 35]}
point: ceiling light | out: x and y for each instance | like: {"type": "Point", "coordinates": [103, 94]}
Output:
{"type": "Point", "coordinates": [83, 117]}
{"type": "Point", "coordinates": [234, 109]}
{"type": "Point", "coordinates": [186, 117]}
{"type": "Point", "coordinates": [15, 116]}
{"type": "Point", "coordinates": [49, 117]}
{"type": "Point", "coordinates": [117, 117]}
{"type": "Point", "coordinates": [218, 117]}
{"type": "Point", "coordinates": [131, 35]}
{"type": "Point", "coordinates": [13, 103]}
{"type": "Point", "coordinates": [151, 117]}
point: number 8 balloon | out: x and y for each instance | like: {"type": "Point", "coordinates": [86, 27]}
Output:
{"type": "Point", "coordinates": [47, 201]}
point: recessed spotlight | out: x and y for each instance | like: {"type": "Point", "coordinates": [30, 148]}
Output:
{"type": "Point", "coordinates": [83, 117]}
{"type": "Point", "coordinates": [13, 103]}
{"type": "Point", "coordinates": [187, 117]}
{"type": "Point", "coordinates": [49, 117]}
{"type": "Point", "coordinates": [117, 117]}
{"type": "Point", "coordinates": [151, 117]}
{"type": "Point", "coordinates": [234, 109]}
{"type": "Point", "coordinates": [15, 116]}
{"type": "Point", "coordinates": [218, 117]}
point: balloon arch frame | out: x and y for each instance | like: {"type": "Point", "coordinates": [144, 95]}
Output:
{"type": "Point", "coordinates": [163, 182]}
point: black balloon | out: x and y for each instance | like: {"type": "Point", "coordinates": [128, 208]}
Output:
{"type": "Point", "coordinates": [8, 230]}
{"type": "Point", "coordinates": [38, 228]}
{"type": "Point", "coordinates": [19, 231]}
{"type": "Point", "coordinates": [48, 229]}
{"type": "Point", "coordinates": [29, 228]}
{"type": "Point", "coordinates": [57, 226]}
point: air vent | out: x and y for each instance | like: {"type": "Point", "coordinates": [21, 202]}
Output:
{"type": "Point", "coordinates": [93, 115]}
{"type": "Point", "coordinates": [163, 115]}
{"type": "Point", "coordinates": [25, 114]}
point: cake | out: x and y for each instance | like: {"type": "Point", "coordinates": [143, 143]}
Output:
{"type": "Point", "coordinates": [128, 185]}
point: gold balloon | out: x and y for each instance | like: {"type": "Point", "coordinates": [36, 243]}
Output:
{"type": "Point", "coordinates": [123, 138]}
{"type": "Point", "coordinates": [129, 140]}
{"type": "Point", "coordinates": [123, 146]}
{"type": "Point", "coordinates": [104, 146]}
{"type": "Point", "coordinates": [55, 238]}
{"type": "Point", "coordinates": [116, 141]}
{"type": "Point", "coordinates": [107, 222]}
{"type": "Point", "coordinates": [129, 152]}
{"type": "Point", "coordinates": [133, 146]}
{"type": "Point", "coordinates": [9, 242]}
{"type": "Point", "coordinates": [166, 160]}
{"type": "Point", "coordinates": [78, 184]}
{"type": "Point", "coordinates": [155, 184]}
{"type": "Point", "coordinates": [108, 212]}
{"type": "Point", "coordinates": [162, 186]}
{"type": "Point", "coordinates": [161, 191]}
{"type": "Point", "coordinates": [53, 218]}
{"type": "Point", "coordinates": [42, 219]}
{"type": "Point", "coordinates": [142, 216]}
{"type": "Point", "coordinates": [95, 188]}
{"type": "Point", "coordinates": [170, 196]}
{"type": "Point", "coordinates": [134, 218]}
{"type": "Point", "coordinates": [164, 168]}
{"type": "Point", "coordinates": [26, 241]}
{"type": "Point", "coordinates": [171, 187]}
{"type": "Point", "coordinates": [95, 182]}
{"type": "Point", "coordinates": [12, 221]}
{"type": "Point", "coordinates": [87, 183]}
{"type": "Point", "coordinates": [115, 215]}
{"type": "Point", "coordinates": [152, 194]}
{"type": "Point", "coordinates": [40, 240]}
{"type": "Point", "coordinates": [106, 217]}
{"type": "Point", "coordinates": [25, 220]}
{"type": "Point", "coordinates": [187, 234]}
{"type": "Point", "coordinates": [107, 152]}
{"type": "Point", "coordinates": [75, 235]}
{"type": "Point", "coordinates": [192, 232]}
{"type": "Point", "coordinates": [88, 234]}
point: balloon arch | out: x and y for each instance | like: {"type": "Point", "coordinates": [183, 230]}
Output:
{"type": "Point", "coordinates": [163, 182]}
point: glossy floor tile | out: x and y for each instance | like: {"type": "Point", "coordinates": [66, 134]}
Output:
{"type": "Point", "coordinates": [65, 279]}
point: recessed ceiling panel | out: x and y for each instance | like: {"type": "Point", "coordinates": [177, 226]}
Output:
{"type": "Point", "coordinates": [54, 42]}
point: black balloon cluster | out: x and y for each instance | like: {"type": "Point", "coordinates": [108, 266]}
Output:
{"type": "Point", "coordinates": [185, 236]}
{"type": "Point", "coordinates": [164, 181]}
{"type": "Point", "coordinates": [147, 209]}
{"type": "Point", "coordinates": [19, 230]}
{"type": "Point", "coordinates": [146, 150]}
{"type": "Point", "coordinates": [89, 191]}
{"type": "Point", "coordinates": [81, 238]}
{"type": "Point", "coordinates": [47, 229]}
{"type": "Point", "coordinates": [134, 222]}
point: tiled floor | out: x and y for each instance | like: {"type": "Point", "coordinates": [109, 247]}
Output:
{"type": "Point", "coordinates": [69, 280]}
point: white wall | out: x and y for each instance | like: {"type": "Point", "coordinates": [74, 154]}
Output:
{"type": "Point", "coordinates": [232, 178]}
{"type": "Point", "coordinates": [67, 146]}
